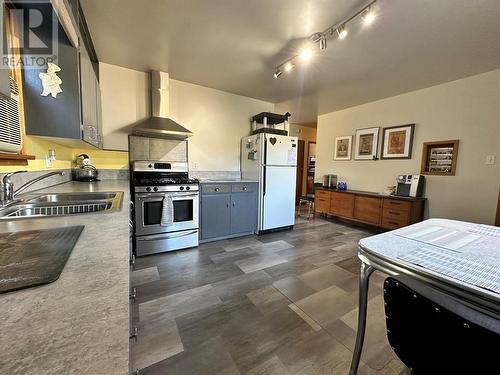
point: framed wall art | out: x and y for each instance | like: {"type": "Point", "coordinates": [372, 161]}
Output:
{"type": "Point", "coordinates": [342, 148]}
{"type": "Point", "coordinates": [366, 145]}
{"type": "Point", "coordinates": [397, 141]}
{"type": "Point", "coordinates": [440, 158]}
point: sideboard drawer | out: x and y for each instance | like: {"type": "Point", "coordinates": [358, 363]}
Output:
{"type": "Point", "coordinates": [397, 204]}
{"type": "Point", "coordinates": [395, 214]}
{"type": "Point", "coordinates": [393, 223]}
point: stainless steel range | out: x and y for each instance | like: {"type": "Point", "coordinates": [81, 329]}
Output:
{"type": "Point", "coordinates": [152, 181]}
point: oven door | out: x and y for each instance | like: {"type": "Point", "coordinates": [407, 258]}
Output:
{"type": "Point", "coordinates": [148, 208]}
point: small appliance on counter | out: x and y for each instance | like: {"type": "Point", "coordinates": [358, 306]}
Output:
{"type": "Point", "coordinates": [330, 181]}
{"type": "Point", "coordinates": [84, 170]}
{"type": "Point", "coordinates": [408, 185]}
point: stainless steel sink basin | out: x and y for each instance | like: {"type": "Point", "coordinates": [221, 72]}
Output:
{"type": "Point", "coordinates": [72, 197]}
{"type": "Point", "coordinates": [64, 204]}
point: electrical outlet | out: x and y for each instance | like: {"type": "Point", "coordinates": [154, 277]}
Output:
{"type": "Point", "coordinates": [195, 165]}
{"type": "Point", "coordinates": [490, 159]}
{"type": "Point", "coordinates": [48, 162]}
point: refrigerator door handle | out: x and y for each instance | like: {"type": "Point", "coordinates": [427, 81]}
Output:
{"type": "Point", "coordinates": [264, 180]}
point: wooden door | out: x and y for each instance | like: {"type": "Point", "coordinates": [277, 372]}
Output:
{"type": "Point", "coordinates": [367, 209]}
{"type": "Point", "coordinates": [342, 204]}
{"type": "Point", "coordinates": [300, 171]}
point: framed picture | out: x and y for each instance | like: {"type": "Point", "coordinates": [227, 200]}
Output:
{"type": "Point", "coordinates": [343, 148]}
{"type": "Point", "coordinates": [397, 142]}
{"type": "Point", "coordinates": [366, 144]}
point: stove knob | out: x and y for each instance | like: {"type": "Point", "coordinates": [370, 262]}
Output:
{"type": "Point", "coordinates": [181, 188]}
{"type": "Point", "coordinates": [148, 189]}
{"type": "Point", "coordinates": [188, 188]}
{"type": "Point", "coordinates": [155, 188]}
{"type": "Point", "coordinates": [150, 166]}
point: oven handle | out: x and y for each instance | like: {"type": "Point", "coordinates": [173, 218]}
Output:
{"type": "Point", "coordinates": [166, 237]}
{"type": "Point", "coordinates": [161, 195]}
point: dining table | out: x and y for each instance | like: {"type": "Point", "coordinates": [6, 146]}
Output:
{"type": "Point", "coordinates": [457, 257]}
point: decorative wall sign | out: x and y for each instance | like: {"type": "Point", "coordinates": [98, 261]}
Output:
{"type": "Point", "coordinates": [397, 142]}
{"type": "Point", "coordinates": [366, 144]}
{"type": "Point", "coordinates": [439, 158]}
{"type": "Point", "coordinates": [51, 83]}
{"type": "Point", "coordinates": [342, 148]}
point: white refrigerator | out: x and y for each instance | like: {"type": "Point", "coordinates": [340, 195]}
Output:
{"type": "Point", "coordinates": [272, 160]}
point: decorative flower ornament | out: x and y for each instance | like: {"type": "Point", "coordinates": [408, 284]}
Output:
{"type": "Point", "coordinates": [51, 83]}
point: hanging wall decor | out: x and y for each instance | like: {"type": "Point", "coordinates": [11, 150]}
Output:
{"type": "Point", "coordinates": [343, 148]}
{"type": "Point", "coordinates": [51, 83]}
{"type": "Point", "coordinates": [397, 142]}
{"type": "Point", "coordinates": [439, 158]}
{"type": "Point", "coordinates": [366, 146]}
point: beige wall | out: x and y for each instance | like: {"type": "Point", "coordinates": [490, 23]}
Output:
{"type": "Point", "coordinates": [125, 97]}
{"type": "Point", "coordinates": [218, 120]}
{"type": "Point", "coordinates": [466, 109]}
{"type": "Point", "coordinates": [307, 134]}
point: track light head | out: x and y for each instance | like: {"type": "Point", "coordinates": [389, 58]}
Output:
{"type": "Point", "coordinates": [322, 43]}
{"type": "Point", "coordinates": [305, 54]}
{"type": "Point", "coordinates": [342, 32]}
{"type": "Point", "coordinates": [277, 73]}
{"type": "Point", "coordinates": [369, 17]}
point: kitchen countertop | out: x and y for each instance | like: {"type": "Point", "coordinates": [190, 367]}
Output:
{"type": "Point", "coordinates": [78, 324]}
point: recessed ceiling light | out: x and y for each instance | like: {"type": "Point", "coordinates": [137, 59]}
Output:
{"type": "Point", "coordinates": [342, 32]}
{"type": "Point", "coordinates": [288, 66]}
{"type": "Point", "coordinates": [305, 54]}
{"type": "Point", "coordinates": [369, 17]}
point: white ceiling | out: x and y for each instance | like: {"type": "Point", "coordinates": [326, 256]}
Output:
{"type": "Point", "coordinates": [233, 45]}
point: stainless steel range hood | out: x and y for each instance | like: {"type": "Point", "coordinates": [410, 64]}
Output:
{"type": "Point", "coordinates": [159, 125]}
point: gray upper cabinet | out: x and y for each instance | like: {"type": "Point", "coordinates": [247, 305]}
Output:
{"type": "Point", "coordinates": [90, 99]}
{"type": "Point", "coordinates": [74, 114]}
{"type": "Point", "coordinates": [4, 73]}
{"type": "Point", "coordinates": [228, 210]}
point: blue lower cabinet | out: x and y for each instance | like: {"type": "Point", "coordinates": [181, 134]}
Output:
{"type": "Point", "coordinates": [243, 212]}
{"type": "Point", "coordinates": [228, 210]}
{"type": "Point", "coordinates": [215, 215]}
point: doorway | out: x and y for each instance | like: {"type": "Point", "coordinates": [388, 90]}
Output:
{"type": "Point", "coordinates": [311, 166]}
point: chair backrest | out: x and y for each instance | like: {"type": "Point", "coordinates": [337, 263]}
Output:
{"type": "Point", "coordinates": [432, 332]}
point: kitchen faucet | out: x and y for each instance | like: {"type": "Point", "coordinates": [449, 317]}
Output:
{"type": "Point", "coordinates": [8, 194]}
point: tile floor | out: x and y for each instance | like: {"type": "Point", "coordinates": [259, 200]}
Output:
{"type": "Point", "coordinates": [282, 303]}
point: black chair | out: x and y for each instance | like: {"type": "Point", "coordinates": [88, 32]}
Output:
{"type": "Point", "coordinates": [432, 332]}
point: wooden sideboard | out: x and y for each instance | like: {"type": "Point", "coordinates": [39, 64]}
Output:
{"type": "Point", "coordinates": [385, 211]}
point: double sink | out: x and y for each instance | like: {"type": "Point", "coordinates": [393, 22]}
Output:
{"type": "Point", "coordinates": [63, 204]}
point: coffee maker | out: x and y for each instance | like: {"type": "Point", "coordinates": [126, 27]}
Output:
{"type": "Point", "coordinates": [408, 185]}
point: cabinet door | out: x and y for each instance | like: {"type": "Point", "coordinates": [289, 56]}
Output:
{"type": "Point", "coordinates": [342, 204]}
{"type": "Point", "coordinates": [215, 215]}
{"type": "Point", "coordinates": [367, 209]}
{"type": "Point", "coordinates": [243, 212]}
{"type": "Point", "coordinates": [4, 73]}
{"type": "Point", "coordinates": [88, 98]}
{"type": "Point", "coordinates": [322, 201]}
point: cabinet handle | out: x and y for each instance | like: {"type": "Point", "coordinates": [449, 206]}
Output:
{"type": "Point", "coordinates": [132, 260]}
{"type": "Point", "coordinates": [227, 205]}
{"type": "Point", "coordinates": [245, 188]}
{"type": "Point", "coordinates": [216, 190]}
{"type": "Point", "coordinates": [133, 335]}
{"type": "Point", "coordinates": [394, 213]}
{"type": "Point", "coordinates": [393, 223]}
{"type": "Point", "coordinates": [234, 204]}
{"type": "Point", "coordinates": [133, 295]}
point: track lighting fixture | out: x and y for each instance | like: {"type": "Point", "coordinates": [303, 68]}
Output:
{"type": "Point", "coordinates": [338, 30]}
{"type": "Point", "coordinates": [342, 32]}
{"type": "Point", "coordinates": [322, 43]}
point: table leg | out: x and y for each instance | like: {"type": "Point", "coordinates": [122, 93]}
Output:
{"type": "Point", "coordinates": [364, 278]}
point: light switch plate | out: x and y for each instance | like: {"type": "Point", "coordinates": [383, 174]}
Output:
{"type": "Point", "coordinates": [490, 159]}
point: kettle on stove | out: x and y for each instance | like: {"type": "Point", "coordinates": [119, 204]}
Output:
{"type": "Point", "coordinates": [84, 170]}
